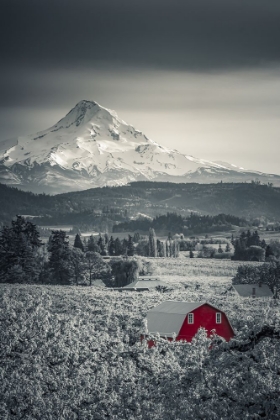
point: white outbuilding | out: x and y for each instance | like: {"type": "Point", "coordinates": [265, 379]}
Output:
{"type": "Point", "coordinates": [254, 290]}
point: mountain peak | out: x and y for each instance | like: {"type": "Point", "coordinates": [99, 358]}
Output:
{"type": "Point", "coordinates": [83, 111]}
{"type": "Point", "coordinates": [85, 102]}
{"type": "Point", "coordinates": [83, 105]}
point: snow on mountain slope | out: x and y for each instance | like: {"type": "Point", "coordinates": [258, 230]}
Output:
{"type": "Point", "coordinates": [92, 147]}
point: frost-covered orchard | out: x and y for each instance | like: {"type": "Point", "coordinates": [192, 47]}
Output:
{"type": "Point", "coordinates": [75, 353]}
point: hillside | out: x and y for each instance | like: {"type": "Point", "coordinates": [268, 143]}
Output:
{"type": "Point", "coordinates": [149, 198]}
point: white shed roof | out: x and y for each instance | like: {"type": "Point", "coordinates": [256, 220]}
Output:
{"type": "Point", "coordinates": [168, 317]}
{"type": "Point", "coordinates": [246, 290]}
{"type": "Point", "coordinates": [150, 284]}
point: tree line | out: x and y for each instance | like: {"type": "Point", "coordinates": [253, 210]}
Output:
{"type": "Point", "coordinates": [188, 225]}
{"type": "Point", "coordinates": [249, 247]}
{"type": "Point", "coordinates": [24, 258]}
{"type": "Point", "coordinates": [146, 246]}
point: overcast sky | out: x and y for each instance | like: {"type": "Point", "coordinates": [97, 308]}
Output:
{"type": "Point", "coordinates": [201, 76]}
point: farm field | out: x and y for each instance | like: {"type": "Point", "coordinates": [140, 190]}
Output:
{"type": "Point", "coordinates": [270, 235]}
{"type": "Point", "coordinates": [203, 270]}
{"type": "Point", "coordinates": [75, 352]}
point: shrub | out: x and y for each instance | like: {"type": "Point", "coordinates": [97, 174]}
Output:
{"type": "Point", "coordinates": [207, 252]}
{"type": "Point", "coordinates": [124, 272]}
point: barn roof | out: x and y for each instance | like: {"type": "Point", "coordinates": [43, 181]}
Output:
{"type": "Point", "coordinates": [168, 317]}
{"type": "Point", "coordinates": [246, 290]}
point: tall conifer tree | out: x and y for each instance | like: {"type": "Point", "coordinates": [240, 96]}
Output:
{"type": "Point", "coordinates": [19, 245]}
{"type": "Point", "coordinates": [59, 257]}
{"type": "Point", "coordinates": [78, 243]}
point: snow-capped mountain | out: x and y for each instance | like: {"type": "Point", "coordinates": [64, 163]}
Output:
{"type": "Point", "coordinates": [92, 147]}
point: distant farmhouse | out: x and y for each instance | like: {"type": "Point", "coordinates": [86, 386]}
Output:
{"type": "Point", "coordinates": [183, 319]}
{"type": "Point", "coordinates": [256, 290]}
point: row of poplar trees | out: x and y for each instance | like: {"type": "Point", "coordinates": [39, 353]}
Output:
{"type": "Point", "coordinates": [169, 248]}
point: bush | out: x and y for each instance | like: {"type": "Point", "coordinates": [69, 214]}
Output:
{"type": "Point", "coordinates": [124, 272]}
{"type": "Point", "coordinates": [207, 252]}
{"type": "Point", "coordinates": [255, 253]}
{"type": "Point", "coordinates": [246, 274]}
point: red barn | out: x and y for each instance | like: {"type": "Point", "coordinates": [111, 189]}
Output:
{"type": "Point", "coordinates": [183, 319]}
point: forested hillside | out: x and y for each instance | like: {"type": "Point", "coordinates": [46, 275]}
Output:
{"type": "Point", "coordinates": [151, 198]}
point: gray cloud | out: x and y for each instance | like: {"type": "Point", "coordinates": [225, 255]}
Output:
{"type": "Point", "coordinates": [186, 34]}
{"type": "Point", "coordinates": [197, 75]}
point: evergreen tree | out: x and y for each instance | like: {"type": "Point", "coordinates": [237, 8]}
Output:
{"type": "Point", "coordinates": [130, 246]}
{"type": "Point", "coordinates": [118, 247]}
{"type": "Point", "coordinates": [191, 254]}
{"type": "Point", "coordinates": [102, 245]}
{"type": "Point", "coordinates": [152, 243]}
{"type": "Point", "coordinates": [92, 245]}
{"type": "Point", "coordinates": [111, 246]}
{"type": "Point", "coordinates": [106, 238]}
{"type": "Point", "coordinates": [136, 237]}
{"type": "Point", "coordinates": [227, 248]}
{"type": "Point", "coordinates": [124, 247]}
{"type": "Point", "coordinates": [250, 239]}
{"type": "Point", "coordinates": [59, 258]}
{"type": "Point", "coordinates": [78, 243]}
{"type": "Point", "coordinates": [76, 263]}
{"type": "Point", "coordinates": [142, 248]}
{"type": "Point", "coordinates": [161, 250]}
{"type": "Point", "coordinates": [268, 253]}
{"type": "Point", "coordinates": [220, 249]}
{"type": "Point", "coordinates": [239, 249]}
{"type": "Point", "coordinates": [255, 239]}
{"type": "Point", "coordinates": [19, 246]}
{"type": "Point", "coordinates": [245, 246]}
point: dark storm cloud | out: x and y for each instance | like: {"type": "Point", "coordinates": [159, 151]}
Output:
{"type": "Point", "coordinates": [202, 76]}
{"type": "Point", "coordinates": [178, 34]}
